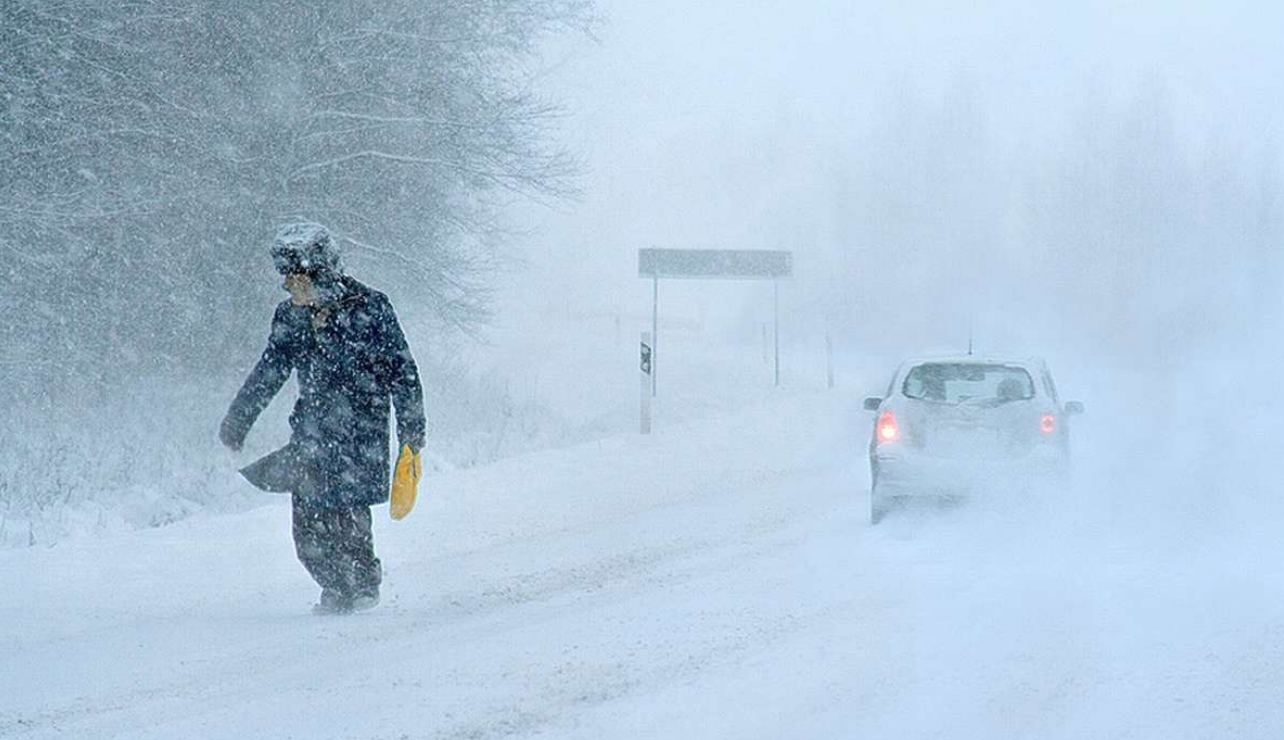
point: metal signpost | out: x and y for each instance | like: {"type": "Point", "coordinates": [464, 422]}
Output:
{"type": "Point", "coordinates": [712, 264]}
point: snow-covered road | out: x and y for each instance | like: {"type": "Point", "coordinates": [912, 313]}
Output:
{"type": "Point", "coordinates": [717, 580]}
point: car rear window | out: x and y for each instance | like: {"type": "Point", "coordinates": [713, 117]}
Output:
{"type": "Point", "coordinates": [950, 382]}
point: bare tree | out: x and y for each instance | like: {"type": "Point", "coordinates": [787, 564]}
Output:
{"type": "Point", "coordinates": [151, 147]}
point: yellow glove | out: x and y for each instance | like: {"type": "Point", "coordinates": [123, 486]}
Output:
{"type": "Point", "coordinates": [405, 482]}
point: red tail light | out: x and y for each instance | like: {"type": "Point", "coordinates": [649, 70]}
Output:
{"type": "Point", "coordinates": [887, 430]}
{"type": "Point", "coordinates": [1048, 424]}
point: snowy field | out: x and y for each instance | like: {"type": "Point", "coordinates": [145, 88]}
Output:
{"type": "Point", "coordinates": [716, 580]}
{"type": "Point", "coordinates": [1101, 183]}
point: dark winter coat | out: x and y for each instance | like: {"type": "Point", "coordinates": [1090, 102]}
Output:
{"type": "Point", "coordinates": [348, 370]}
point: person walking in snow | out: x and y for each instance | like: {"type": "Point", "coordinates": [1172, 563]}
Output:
{"type": "Point", "coordinates": [344, 341]}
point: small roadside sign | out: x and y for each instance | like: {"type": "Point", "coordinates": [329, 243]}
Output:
{"type": "Point", "coordinates": [645, 366]}
{"type": "Point", "coordinates": [718, 264]}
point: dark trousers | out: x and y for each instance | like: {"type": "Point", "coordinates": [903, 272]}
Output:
{"type": "Point", "coordinates": [336, 546]}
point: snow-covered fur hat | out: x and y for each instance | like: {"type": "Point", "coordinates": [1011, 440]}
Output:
{"type": "Point", "coordinates": [307, 248]}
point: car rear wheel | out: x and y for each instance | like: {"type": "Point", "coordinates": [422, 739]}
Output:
{"type": "Point", "coordinates": [878, 504]}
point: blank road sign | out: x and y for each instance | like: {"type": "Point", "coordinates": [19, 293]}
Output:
{"type": "Point", "coordinates": [729, 264]}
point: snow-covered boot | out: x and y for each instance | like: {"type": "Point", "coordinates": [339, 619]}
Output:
{"type": "Point", "coordinates": [368, 599]}
{"type": "Point", "coordinates": [333, 602]}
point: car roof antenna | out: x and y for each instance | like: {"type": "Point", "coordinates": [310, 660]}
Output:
{"type": "Point", "coordinates": [969, 339]}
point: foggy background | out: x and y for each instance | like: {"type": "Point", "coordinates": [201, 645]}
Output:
{"type": "Point", "coordinates": [1100, 185]}
{"type": "Point", "coordinates": [1091, 176]}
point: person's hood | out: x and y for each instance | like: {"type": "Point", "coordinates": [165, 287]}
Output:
{"type": "Point", "coordinates": [307, 247]}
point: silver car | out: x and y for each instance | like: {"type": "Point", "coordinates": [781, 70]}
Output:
{"type": "Point", "coordinates": [958, 426]}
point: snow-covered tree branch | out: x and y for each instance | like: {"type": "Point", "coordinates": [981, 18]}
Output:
{"type": "Point", "coordinates": [150, 147]}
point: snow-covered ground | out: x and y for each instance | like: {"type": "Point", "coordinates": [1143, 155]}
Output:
{"type": "Point", "coordinates": [716, 580]}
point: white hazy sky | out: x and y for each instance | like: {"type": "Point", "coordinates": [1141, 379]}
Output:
{"type": "Point", "coordinates": [713, 124]}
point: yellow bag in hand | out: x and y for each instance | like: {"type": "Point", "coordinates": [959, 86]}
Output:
{"type": "Point", "coordinates": [405, 482]}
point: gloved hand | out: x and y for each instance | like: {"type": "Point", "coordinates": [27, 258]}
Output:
{"type": "Point", "coordinates": [231, 435]}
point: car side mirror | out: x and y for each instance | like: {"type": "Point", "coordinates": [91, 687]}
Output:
{"type": "Point", "coordinates": [872, 403]}
{"type": "Point", "coordinates": [1073, 407]}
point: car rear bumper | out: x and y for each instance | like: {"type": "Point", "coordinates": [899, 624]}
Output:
{"type": "Point", "coordinates": [906, 473]}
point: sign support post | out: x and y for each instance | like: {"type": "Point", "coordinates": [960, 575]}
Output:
{"type": "Point", "coordinates": [775, 320]}
{"type": "Point", "coordinates": [655, 328]}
